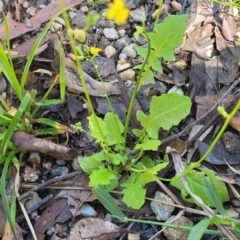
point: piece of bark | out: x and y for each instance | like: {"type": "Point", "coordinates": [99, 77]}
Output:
{"type": "Point", "coordinates": [28, 143]}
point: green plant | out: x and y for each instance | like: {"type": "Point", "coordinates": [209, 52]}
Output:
{"type": "Point", "coordinates": [23, 118]}
{"type": "Point", "coordinates": [116, 159]}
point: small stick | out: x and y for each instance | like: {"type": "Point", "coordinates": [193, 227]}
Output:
{"type": "Point", "coordinates": [35, 207]}
{"type": "Point", "coordinates": [49, 182]}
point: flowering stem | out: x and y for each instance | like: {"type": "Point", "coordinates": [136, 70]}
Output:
{"type": "Point", "coordinates": [136, 89]}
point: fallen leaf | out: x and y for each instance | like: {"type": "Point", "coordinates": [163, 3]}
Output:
{"type": "Point", "coordinates": [28, 143]}
{"type": "Point", "coordinates": [17, 29]}
{"type": "Point", "coordinates": [74, 106]}
{"type": "Point", "coordinates": [218, 154]}
{"type": "Point", "coordinates": [228, 25]}
{"type": "Point", "coordinates": [235, 123]}
{"type": "Point", "coordinates": [48, 216]}
{"type": "Point", "coordinates": [8, 233]}
{"type": "Point", "coordinates": [95, 87]}
{"type": "Point", "coordinates": [94, 229]}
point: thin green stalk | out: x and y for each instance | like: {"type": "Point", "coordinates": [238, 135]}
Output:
{"type": "Point", "coordinates": [83, 82]}
{"type": "Point", "coordinates": [159, 12]}
{"type": "Point", "coordinates": [176, 226]}
{"type": "Point", "coordinates": [136, 89]}
{"type": "Point", "coordinates": [107, 98]}
{"type": "Point", "coordinates": [4, 197]}
{"type": "Point", "coordinates": [35, 110]}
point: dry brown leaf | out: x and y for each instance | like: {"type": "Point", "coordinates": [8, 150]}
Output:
{"type": "Point", "coordinates": [17, 29]}
{"type": "Point", "coordinates": [235, 123]}
{"type": "Point", "coordinates": [8, 233]}
{"type": "Point", "coordinates": [47, 219]}
{"type": "Point", "coordinates": [94, 229]}
{"type": "Point", "coordinates": [28, 143]}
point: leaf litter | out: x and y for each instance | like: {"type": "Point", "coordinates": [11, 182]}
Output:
{"type": "Point", "coordinates": [207, 74]}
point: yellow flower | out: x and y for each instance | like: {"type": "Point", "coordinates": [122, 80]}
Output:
{"type": "Point", "coordinates": [94, 50]}
{"type": "Point", "coordinates": [118, 12]}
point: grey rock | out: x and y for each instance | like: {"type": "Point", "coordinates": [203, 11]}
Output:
{"type": "Point", "coordinates": [59, 171]}
{"type": "Point", "coordinates": [110, 33]}
{"type": "Point", "coordinates": [80, 20]}
{"type": "Point", "coordinates": [121, 43]}
{"type": "Point", "coordinates": [235, 202]}
{"type": "Point", "coordinates": [103, 23]}
{"type": "Point", "coordinates": [138, 15]}
{"type": "Point", "coordinates": [175, 234]}
{"type": "Point", "coordinates": [104, 42]}
{"type": "Point", "coordinates": [161, 209]}
{"type": "Point", "coordinates": [232, 214]}
{"type": "Point", "coordinates": [130, 50]}
{"type": "Point", "coordinates": [122, 56]}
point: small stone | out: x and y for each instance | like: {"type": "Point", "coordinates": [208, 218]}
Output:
{"type": "Point", "coordinates": [28, 23]}
{"type": "Point", "coordinates": [162, 209]}
{"type": "Point", "coordinates": [122, 32]}
{"type": "Point", "coordinates": [122, 56]}
{"type": "Point", "coordinates": [129, 74]}
{"type": "Point", "coordinates": [84, 9]}
{"type": "Point", "coordinates": [176, 6]}
{"type": "Point", "coordinates": [130, 50]}
{"type": "Point", "coordinates": [86, 210]}
{"type": "Point", "coordinates": [109, 51]}
{"type": "Point", "coordinates": [59, 171]}
{"type": "Point", "coordinates": [56, 26]}
{"type": "Point", "coordinates": [72, 15]}
{"type": "Point", "coordinates": [47, 165]}
{"type": "Point", "coordinates": [34, 157]}
{"type": "Point", "coordinates": [80, 20]}
{"type": "Point", "coordinates": [121, 43]}
{"type": "Point", "coordinates": [138, 15]}
{"type": "Point", "coordinates": [165, 9]}
{"type": "Point", "coordinates": [175, 233]}
{"type": "Point", "coordinates": [25, 4]}
{"type": "Point", "coordinates": [30, 175]}
{"type": "Point", "coordinates": [235, 202]}
{"type": "Point", "coordinates": [110, 33]}
{"type": "Point", "coordinates": [60, 20]}
{"type": "Point", "coordinates": [31, 11]}
{"type": "Point", "coordinates": [176, 90]}
{"type": "Point", "coordinates": [232, 214]}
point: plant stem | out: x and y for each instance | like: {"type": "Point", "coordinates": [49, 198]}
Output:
{"type": "Point", "coordinates": [184, 228]}
{"type": "Point", "coordinates": [136, 89]}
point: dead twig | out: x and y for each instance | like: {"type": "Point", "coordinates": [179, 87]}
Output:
{"type": "Point", "coordinates": [35, 207]}
{"type": "Point", "coordinates": [49, 182]}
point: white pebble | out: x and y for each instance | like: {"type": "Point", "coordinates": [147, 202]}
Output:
{"type": "Point", "coordinates": [122, 32]}
{"type": "Point", "coordinates": [110, 33]}
{"type": "Point", "coordinates": [129, 74]}
{"type": "Point", "coordinates": [122, 56]}
{"type": "Point", "coordinates": [130, 50]}
{"type": "Point", "coordinates": [109, 51]}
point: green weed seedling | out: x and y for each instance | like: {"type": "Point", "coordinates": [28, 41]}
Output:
{"type": "Point", "coordinates": [115, 160]}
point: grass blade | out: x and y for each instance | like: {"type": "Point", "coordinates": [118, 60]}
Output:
{"type": "Point", "coordinates": [7, 210]}
{"type": "Point", "coordinates": [214, 196]}
{"type": "Point", "coordinates": [108, 202]}
{"type": "Point", "coordinates": [199, 229]}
